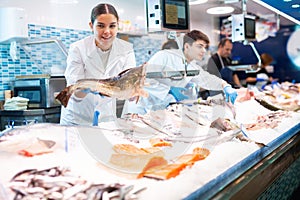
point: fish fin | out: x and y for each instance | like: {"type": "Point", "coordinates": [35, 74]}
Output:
{"type": "Point", "coordinates": [137, 99]}
{"type": "Point", "coordinates": [141, 93]}
{"type": "Point", "coordinates": [124, 71]}
{"type": "Point", "coordinates": [64, 96]}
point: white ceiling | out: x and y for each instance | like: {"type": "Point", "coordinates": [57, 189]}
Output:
{"type": "Point", "coordinates": [251, 7]}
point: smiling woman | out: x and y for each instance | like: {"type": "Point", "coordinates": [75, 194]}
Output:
{"type": "Point", "coordinates": [98, 56]}
{"type": "Point", "coordinates": [104, 24]}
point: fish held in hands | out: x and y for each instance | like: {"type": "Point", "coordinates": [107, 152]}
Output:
{"type": "Point", "coordinates": [126, 85]}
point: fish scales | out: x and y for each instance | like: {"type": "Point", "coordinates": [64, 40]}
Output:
{"type": "Point", "coordinates": [125, 85]}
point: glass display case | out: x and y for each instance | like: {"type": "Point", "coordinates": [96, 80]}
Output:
{"type": "Point", "coordinates": [50, 55]}
{"type": "Point", "coordinates": [260, 172]}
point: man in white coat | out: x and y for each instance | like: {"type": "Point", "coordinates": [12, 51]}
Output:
{"type": "Point", "coordinates": [162, 91]}
{"type": "Point", "coordinates": [99, 56]}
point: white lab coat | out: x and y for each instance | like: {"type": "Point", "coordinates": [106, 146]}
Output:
{"type": "Point", "coordinates": [158, 89]}
{"type": "Point", "coordinates": [84, 62]}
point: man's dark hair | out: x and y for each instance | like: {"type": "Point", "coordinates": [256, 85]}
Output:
{"type": "Point", "coordinates": [223, 42]}
{"type": "Point", "coordinates": [193, 36]}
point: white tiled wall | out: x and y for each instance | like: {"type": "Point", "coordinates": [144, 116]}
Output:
{"type": "Point", "coordinates": [46, 20]}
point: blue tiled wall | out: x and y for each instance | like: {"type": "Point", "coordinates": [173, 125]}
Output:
{"type": "Point", "coordinates": [144, 48]}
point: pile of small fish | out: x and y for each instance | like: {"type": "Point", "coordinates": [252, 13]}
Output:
{"type": "Point", "coordinates": [58, 183]}
{"type": "Point", "coordinates": [284, 96]}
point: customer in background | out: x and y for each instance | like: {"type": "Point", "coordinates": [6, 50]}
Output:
{"type": "Point", "coordinates": [163, 91]}
{"type": "Point", "coordinates": [262, 76]}
{"type": "Point", "coordinates": [99, 56]}
{"type": "Point", "coordinates": [218, 62]}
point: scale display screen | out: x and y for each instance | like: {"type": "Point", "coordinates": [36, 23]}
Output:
{"type": "Point", "coordinates": [249, 28]}
{"type": "Point", "coordinates": [175, 15]}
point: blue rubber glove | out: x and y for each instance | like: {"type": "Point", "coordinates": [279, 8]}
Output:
{"type": "Point", "coordinates": [177, 93]}
{"type": "Point", "coordinates": [95, 119]}
{"type": "Point", "coordinates": [274, 82]}
{"type": "Point", "coordinates": [230, 94]}
{"type": "Point", "coordinates": [88, 90]}
{"type": "Point", "coordinates": [260, 79]}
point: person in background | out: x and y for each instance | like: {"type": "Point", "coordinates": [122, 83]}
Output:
{"type": "Point", "coordinates": [163, 91]}
{"type": "Point", "coordinates": [99, 56]}
{"type": "Point", "coordinates": [170, 44]}
{"type": "Point", "coordinates": [218, 62]}
{"type": "Point", "coordinates": [261, 77]}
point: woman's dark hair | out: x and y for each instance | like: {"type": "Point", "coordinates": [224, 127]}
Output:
{"type": "Point", "coordinates": [103, 9]}
{"type": "Point", "coordinates": [193, 36]}
{"type": "Point", "coordinates": [266, 59]}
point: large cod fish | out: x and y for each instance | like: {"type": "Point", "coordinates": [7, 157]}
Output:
{"type": "Point", "coordinates": [127, 84]}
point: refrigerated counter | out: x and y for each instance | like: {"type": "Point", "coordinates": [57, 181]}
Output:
{"type": "Point", "coordinates": [244, 172]}
{"type": "Point", "coordinates": [271, 172]}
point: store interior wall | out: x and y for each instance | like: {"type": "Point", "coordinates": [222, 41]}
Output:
{"type": "Point", "coordinates": [55, 19]}
{"type": "Point", "coordinates": [144, 46]}
{"type": "Point", "coordinates": [284, 68]}
{"type": "Point", "coordinates": [75, 14]}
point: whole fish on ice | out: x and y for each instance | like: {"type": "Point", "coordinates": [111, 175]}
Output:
{"type": "Point", "coordinates": [125, 85]}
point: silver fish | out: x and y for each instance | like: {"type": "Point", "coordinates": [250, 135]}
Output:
{"type": "Point", "coordinates": [125, 85]}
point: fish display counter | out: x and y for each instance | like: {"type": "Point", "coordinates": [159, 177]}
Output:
{"type": "Point", "coordinates": [191, 150]}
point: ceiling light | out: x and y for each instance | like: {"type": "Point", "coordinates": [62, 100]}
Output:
{"type": "Point", "coordinates": [295, 6]}
{"type": "Point", "coordinates": [64, 1]}
{"type": "Point", "coordinates": [220, 10]}
{"type": "Point", "coordinates": [195, 2]}
{"type": "Point", "coordinates": [278, 11]}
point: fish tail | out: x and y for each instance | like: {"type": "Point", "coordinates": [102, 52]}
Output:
{"type": "Point", "coordinates": [64, 96]}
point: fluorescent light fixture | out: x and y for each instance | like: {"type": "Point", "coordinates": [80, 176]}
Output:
{"type": "Point", "coordinates": [277, 11]}
{"type": "Point", "coordinates": [295, 6]}
{"type": "Point", "coordinates": [231, 1]}
{"type": "Point", "coordinates": [64, 1]}
{"type": "Point", "coordinates": [195, 2]}
{"type": "Point", "coordinates": [220, 10]}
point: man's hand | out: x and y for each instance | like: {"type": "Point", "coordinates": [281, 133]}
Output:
{"type": "Point", "coordinates": [177, 93]}
{"type": "Point", "coordinates": [230, 94]}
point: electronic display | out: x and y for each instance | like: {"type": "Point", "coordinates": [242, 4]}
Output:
{"type": "Point", "coordinates": [175, 15]}
{"type": "Point", "coordinates": [249, 28]}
